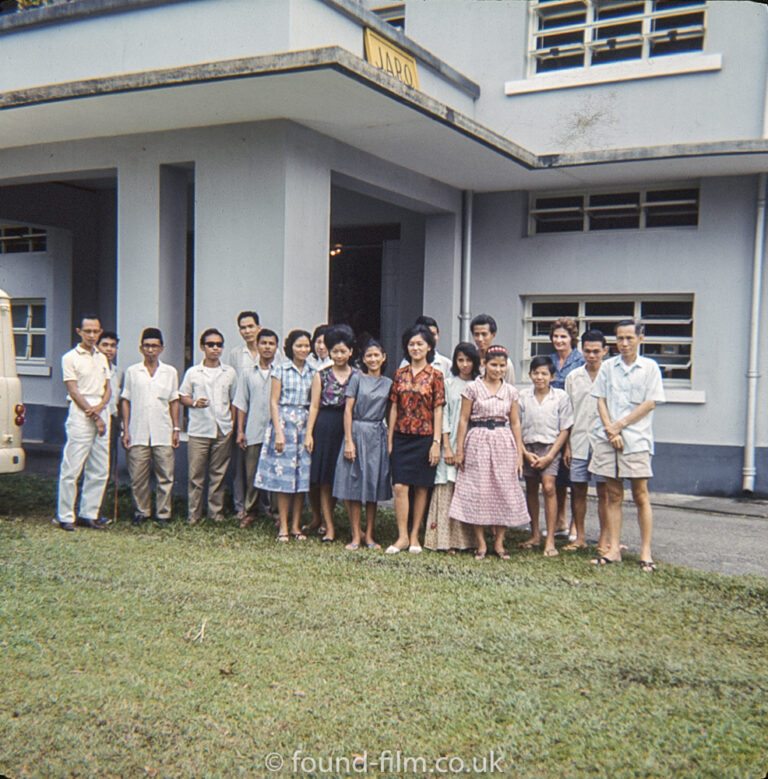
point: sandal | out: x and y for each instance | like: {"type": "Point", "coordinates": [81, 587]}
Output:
{"type": "Point", "coordinates": [372, 545]}
{"type": "Point", "coordinates": [647, 566]}
{"type": "Point", "coordinates": [502, 555]}
{"type": "Point", "coordinates": [283, 538]}
{"type": "Point", "coordinates": [479, 555]}
{"type": "Point", "coordinates": [352, 547]}
{"type": "Point", "coordinates": [603, 560]}
{"type": "Point", "coordinates": [529, 544]}
{"type": "Point", "coordinates": [298, 537]}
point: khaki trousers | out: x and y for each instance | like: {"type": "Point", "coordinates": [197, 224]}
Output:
{"type": "Point", "coordinates": [161, 459]}
{"type": "Point", "coordinates": [252, 454]}
{"type": "Point", "coordinates": [211, 456]}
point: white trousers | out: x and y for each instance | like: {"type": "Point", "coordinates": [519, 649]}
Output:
{"type": "Point", "coordinates": [85, 448]}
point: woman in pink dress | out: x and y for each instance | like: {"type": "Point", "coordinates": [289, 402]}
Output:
{"type": "Point", "coordinates": [489, 455]}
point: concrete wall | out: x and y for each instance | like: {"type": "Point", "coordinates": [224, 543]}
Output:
{"type": "Point", "coordinates": [488, 41]}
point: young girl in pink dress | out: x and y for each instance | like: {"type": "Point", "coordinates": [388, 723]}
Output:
{"type": "Point", "coordinates": [489, 455]}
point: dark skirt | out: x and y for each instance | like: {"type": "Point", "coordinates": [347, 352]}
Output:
{"type": "Point", "coordinates": [410, 460]}
{"type": "Point", "coordinates": [328, 439]}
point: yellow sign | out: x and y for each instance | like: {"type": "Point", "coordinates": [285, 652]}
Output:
{"type": "Point", "coordinates": [389, 58]}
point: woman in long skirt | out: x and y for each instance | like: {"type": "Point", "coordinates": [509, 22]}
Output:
{"type": "Point", "coordinates": [443, 533]}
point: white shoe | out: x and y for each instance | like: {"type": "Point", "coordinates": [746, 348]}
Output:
{"type": "Point", "coordinates": [414, 549]}
{"type": "Point", "coordinates": [392, 550]}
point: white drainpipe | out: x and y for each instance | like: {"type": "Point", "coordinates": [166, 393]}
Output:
{"type": "Point", "coordinates": [749, 471]}
{"type": "Point", "coordinates": [466, 264]}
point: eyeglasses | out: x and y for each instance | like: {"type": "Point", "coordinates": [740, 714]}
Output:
{"type": "Point", "coordinates": [214, 344]}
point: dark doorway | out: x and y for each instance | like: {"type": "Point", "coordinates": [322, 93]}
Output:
{"type": "Point", "coordinates": [354, 294]}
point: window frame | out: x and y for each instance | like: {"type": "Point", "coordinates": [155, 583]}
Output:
{"type": "Point", "coordinates": [581, 319]}
{"type": "Point", "coordinates": [28, 330]}
{"type": "Point", "coordinates": [586, 208]}
{"type": "Point", "coordinates": [592, 42]}
{"type": "Point", "coordinates": [10, 234]}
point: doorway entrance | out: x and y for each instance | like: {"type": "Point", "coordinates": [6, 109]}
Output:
{"type": "Point", "coordinates": [355, 273]}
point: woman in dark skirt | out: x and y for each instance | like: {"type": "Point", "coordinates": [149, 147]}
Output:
{"type": "Point", "coordinates": [415, 425]}
{"type": "Point", "coordinates": [325, 424]}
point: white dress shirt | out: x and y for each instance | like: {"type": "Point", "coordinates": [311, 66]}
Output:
{"type": "Point", "coordinates": [150, 422]}
{"type": "Point", "coordinates": [578, 385]}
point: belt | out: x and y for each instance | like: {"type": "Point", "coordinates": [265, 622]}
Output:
{"type": "Point", "coordinates": [489, 423]}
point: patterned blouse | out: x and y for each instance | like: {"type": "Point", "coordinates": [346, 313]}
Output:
{"type": "Point", "coordinates": [416, 398]}
{"type": "Point", "coordinates": [332, 391]}
{"type": "Point", "coordinates": [295, 385]}
{"type": "Point", "coordinates": [490, 407]}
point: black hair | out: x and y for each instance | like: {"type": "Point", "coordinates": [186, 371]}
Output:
{"type": "Point", "coordinates": [267, 333]}
{"type": "Point", "coordinates": [294, 336]}
{"type": "Point", "coordinates": [319, 332]}
{"type": "Point", "coordinates": [483, 319]}
{"type": "Point", "coordinates": [109, 334]}
{"type": "Point", "coordinates": [542, 360]}
{"type": "Point", "coordinates": [85, 316]}
{"type": "Point", "coordinates": [151, 332]}
{"type": "Point", "coordinates": [372, 343]}
{"type": "Point", "coordinates": [470, 351]}
{"type": "Point", "coordinates": [427, 321]}
{"type": "Point", "coordinates": [425, 333]}
{"type": "Point", "coordinates": [639, 326]}
{"type": "Point", "coordinates": [245, 314]}
{"type": "Point", "coordinates": [592, 336]}
{"type": "Point", "coordinates": [211, 331]}
{"type": "Point", "coordinates": [339, 334]}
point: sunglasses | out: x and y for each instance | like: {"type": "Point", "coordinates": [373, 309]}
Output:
{"type": "Point", "coordinates": [214, 344]}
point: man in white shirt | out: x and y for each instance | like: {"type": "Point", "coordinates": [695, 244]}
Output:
{"type": "Point", "coordinates": [243, 358]}
{"type": "Point", "coordinates": [150, 413]}
{"type": "Point", "coordinates": [252, 404]}
{"type": "Point", "coordinates": [578, 449]}
{"type": "Point", "coordinates": [107, 345]}
{"type": "Point", "coordinates": [207, 390]}
{"type": "Point", "coordinates": [627, 389]}
{"type": "Point", "coordinates": [86, 375]}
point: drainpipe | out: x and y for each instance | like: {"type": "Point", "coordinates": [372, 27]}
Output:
{"type": "Point", "coordinates": [749, 471]}
{"type": "Point", "coordinates": [466, 263]}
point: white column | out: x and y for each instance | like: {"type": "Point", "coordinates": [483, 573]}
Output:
{"type": "Point", "coordinates": [442, 276]}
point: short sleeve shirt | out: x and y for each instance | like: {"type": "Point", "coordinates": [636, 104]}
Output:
{"type": "Point", "coordinates": [624, 387]}
{"type": "Point", "coordinates": [579, 385]}
{"type": "Point", "coordinates": [150, 422]}
{"type": "Point", "coordinates": [218, 386]}
{"type": "Point", "coordinates": [332, 391]}
{"type": "Point", "coordinates": [487, 406]}
{"type": "Point", "coordinates": [541, 423]}
{"type": "Point", "coordinates": [89, 370]}
{"type": "Point", "coordinates": [294, 383]}
{"type": "Point", "coordinates": [416, 398]}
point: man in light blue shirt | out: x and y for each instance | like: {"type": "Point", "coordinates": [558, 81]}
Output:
{"type": "Point", "coordinates": [627, 389]}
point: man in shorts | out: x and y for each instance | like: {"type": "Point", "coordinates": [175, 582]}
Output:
{"type": "Point", "coordinates": [627, 389]}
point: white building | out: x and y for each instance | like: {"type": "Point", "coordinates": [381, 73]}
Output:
{"type": "Point", "coordinates": [172, 162]}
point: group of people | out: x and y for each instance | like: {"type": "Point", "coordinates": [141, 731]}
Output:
{"type": "Point", "coordinates": [449, 438]}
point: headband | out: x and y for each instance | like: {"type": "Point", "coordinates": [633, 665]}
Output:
{"type": "Point", "coordinates": [496, 351]}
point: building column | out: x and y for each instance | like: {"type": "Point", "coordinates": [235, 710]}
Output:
{"type": "Point", "coordinates": [151, 241]}
{"type": "Point", "coordinates": [442, 276]}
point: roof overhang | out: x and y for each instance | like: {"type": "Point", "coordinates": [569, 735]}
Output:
{"type": "Point", "coordinates": [340, 95]}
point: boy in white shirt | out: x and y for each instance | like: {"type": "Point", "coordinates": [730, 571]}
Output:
{"type": "Point", "coordinates": [207, 391]}
{"type": "Point", "coordinates": [107, 345]}
{"type": "Point", "coordinates": [150, 413]}
{"type": "Point", "coordinates": [252, 404]}
{"type": "Point", "coordinates": [546, 416]}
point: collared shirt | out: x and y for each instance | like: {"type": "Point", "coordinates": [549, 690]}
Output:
{"type": "Point", "coordinates": [218, 386]}
{"type": "Point", "coordinates": [542, 422]}
{"type": "Point", "coordinates": [115, 383]}
{"type": "Point", "coordinates": [579, 385]}
{"type": "Point", "coordinates": [440, 362]}
{"type": "Point", "coordinates": [89, 370]}
{"type": "Point", "coordinates": [150, 422]}
{"type": "Point", "coordinates": [252, 398]}
{"type": "Point", "coordinates": [509, 373]}
{"type": "Point", "coordinates": [625, 387]}
{"type": "Point", "coordinates": [416, 398]}
{"type": "Point", "coordinates": [240, 358]}
{"type": "Point", "coordinates": [294, 384]}
{"type": "Point", "coordinates": [574, 360]}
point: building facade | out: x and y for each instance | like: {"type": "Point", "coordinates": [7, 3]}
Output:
{"type": "Point", "coordinates": [172, 162]}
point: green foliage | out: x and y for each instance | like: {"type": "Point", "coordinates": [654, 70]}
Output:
{"type": "Point", "coordinates": [185, 651]}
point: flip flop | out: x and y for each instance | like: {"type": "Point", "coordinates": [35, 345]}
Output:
{"type": "Point", "coordinates": [479, 555]}
{"type": "Point", "coordinates": [283, 538]}
{"type": "Point", "coordinates": [573, 547]}
{"type": "Point", "coordinates": [373, 545]}
{"type": "Point", "coordinates": [550, 553]}
{"type": "Point", "coordinates": [529, 544]}
{"type": "Point", "coordinates": [392, 549]}
{"type": "Point", "coordinates": [502, 555]}
{"type": "Point", "coordinates": [647, 566]}
{"type": "Point", "coordinates": [352, 547]}
{"type": "Point", "coordinates": [298, 537]}
{"type": "Point", "coordinates": [603, 560]}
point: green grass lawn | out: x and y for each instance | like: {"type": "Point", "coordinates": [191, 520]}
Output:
{"type": "Point", "coordinates": [199, 651]}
